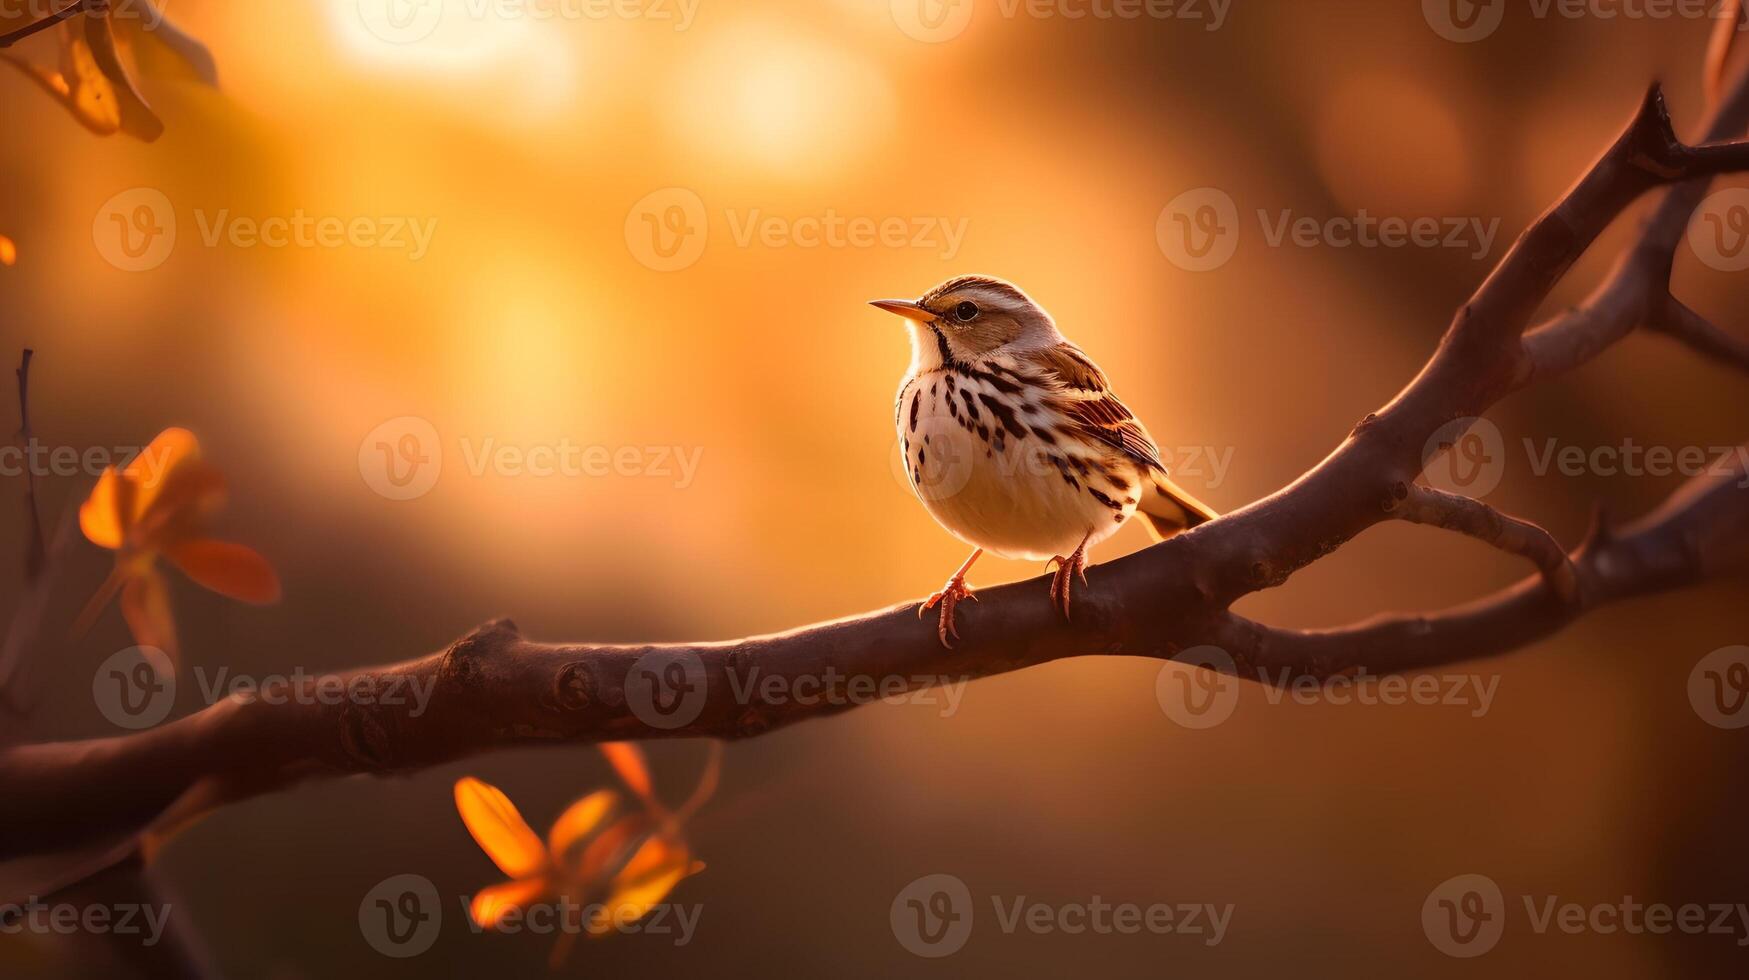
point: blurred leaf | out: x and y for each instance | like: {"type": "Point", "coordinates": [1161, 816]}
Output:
{"type": "Point", "coordinates": [101, 515]}
{"type": "Point", "coordinates": [492, 902]}
{"type": "Point", "coordinates": [499, 828]}
{"type": "Point", "coordinates": [89, 77]}
{"type": "Point", "coordinates": [233, 570]}
{"type": "Point", "coordinates": [633, 769]}
{"type": "Point", "coordinates": [579, 820]}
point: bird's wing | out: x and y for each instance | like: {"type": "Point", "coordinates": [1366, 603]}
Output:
{"type": "Point", "coordinates": [1082, 393]}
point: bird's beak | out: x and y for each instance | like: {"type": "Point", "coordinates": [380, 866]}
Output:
{"type": "Point", "coordinates": [905, 308]}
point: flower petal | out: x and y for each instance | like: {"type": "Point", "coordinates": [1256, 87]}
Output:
{"type": "Point", "coordinates": [495, 901]}
{"type": "Point", "coordinates": [102, 516]}
{"type": "Point", "coordinates": [607, 852]}
{"type": "Point", "coordinates": [647, 879]}
{"type": "Point", "coordinates": [634, 770]}
{"type": "Point", "coordinates": [233, 570]}
{"type": "Point", "coordinates": [580, 820]}
{"type": "Point", "coordinates": [152, 470]}
{"type": "Point", "coordinates": [499, 828]}
{"type": "Point", "coordinates": [145, 604]}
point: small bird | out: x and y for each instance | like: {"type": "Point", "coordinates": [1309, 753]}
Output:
{"type": "Point", "coordinates": [1014, 441]}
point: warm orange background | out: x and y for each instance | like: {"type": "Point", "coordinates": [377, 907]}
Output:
{"type": "Point", "coordinates": [1057, 142]}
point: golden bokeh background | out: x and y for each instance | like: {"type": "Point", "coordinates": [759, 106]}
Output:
{"type": "Point", "coordinates": [529, 146]}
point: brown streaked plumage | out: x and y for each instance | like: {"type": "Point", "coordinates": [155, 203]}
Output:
{"type": "Point", "coordinates": [1015, 442]}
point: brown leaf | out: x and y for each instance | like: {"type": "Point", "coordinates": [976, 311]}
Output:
{"type": "Point", "coordinates": [90, 80]}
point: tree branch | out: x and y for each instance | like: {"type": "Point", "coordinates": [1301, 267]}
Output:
{"type": "Point", "coordinates": [1678, 321]}
{"type": "Point", "coordinates": [493, 688]}
{"type": "Point", "coordinates": [1426, 505]}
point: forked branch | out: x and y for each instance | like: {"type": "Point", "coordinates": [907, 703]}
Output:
{"type": "Point", "coordinates": [493, 688]}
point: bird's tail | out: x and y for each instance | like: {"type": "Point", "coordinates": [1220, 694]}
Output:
{"type": "Point", "coordinates": [1169, 510]}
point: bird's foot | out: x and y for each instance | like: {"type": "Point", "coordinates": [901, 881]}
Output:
{"type": "Point", "coordinates": [949, 597]}
{"type": "Point", "coordinates": [1068, 569]}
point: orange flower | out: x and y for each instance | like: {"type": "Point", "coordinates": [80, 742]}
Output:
{"type": "Point", "coordinates": [8, 251]}
{"type": "Point", "coordinates": [616, 863]}
{"type": "Point", "coordinates": [156, 506]}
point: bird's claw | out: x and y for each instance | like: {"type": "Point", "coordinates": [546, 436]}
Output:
{"type": "Point", "coordinates": [1068, 569]}
{"type": "Point", "coordinates": [949, 597]}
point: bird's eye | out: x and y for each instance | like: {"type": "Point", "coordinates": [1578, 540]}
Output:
{"type": "Point", "coordinates": [966, 311]}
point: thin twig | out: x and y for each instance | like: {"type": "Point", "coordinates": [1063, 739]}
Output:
{"type": "Point", "coordinates": [10, 38]}
{"type": "Point", "coordinates": [1465, 515]}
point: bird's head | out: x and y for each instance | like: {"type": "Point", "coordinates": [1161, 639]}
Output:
{"type": "Point", "coordinates": [968, 317]}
